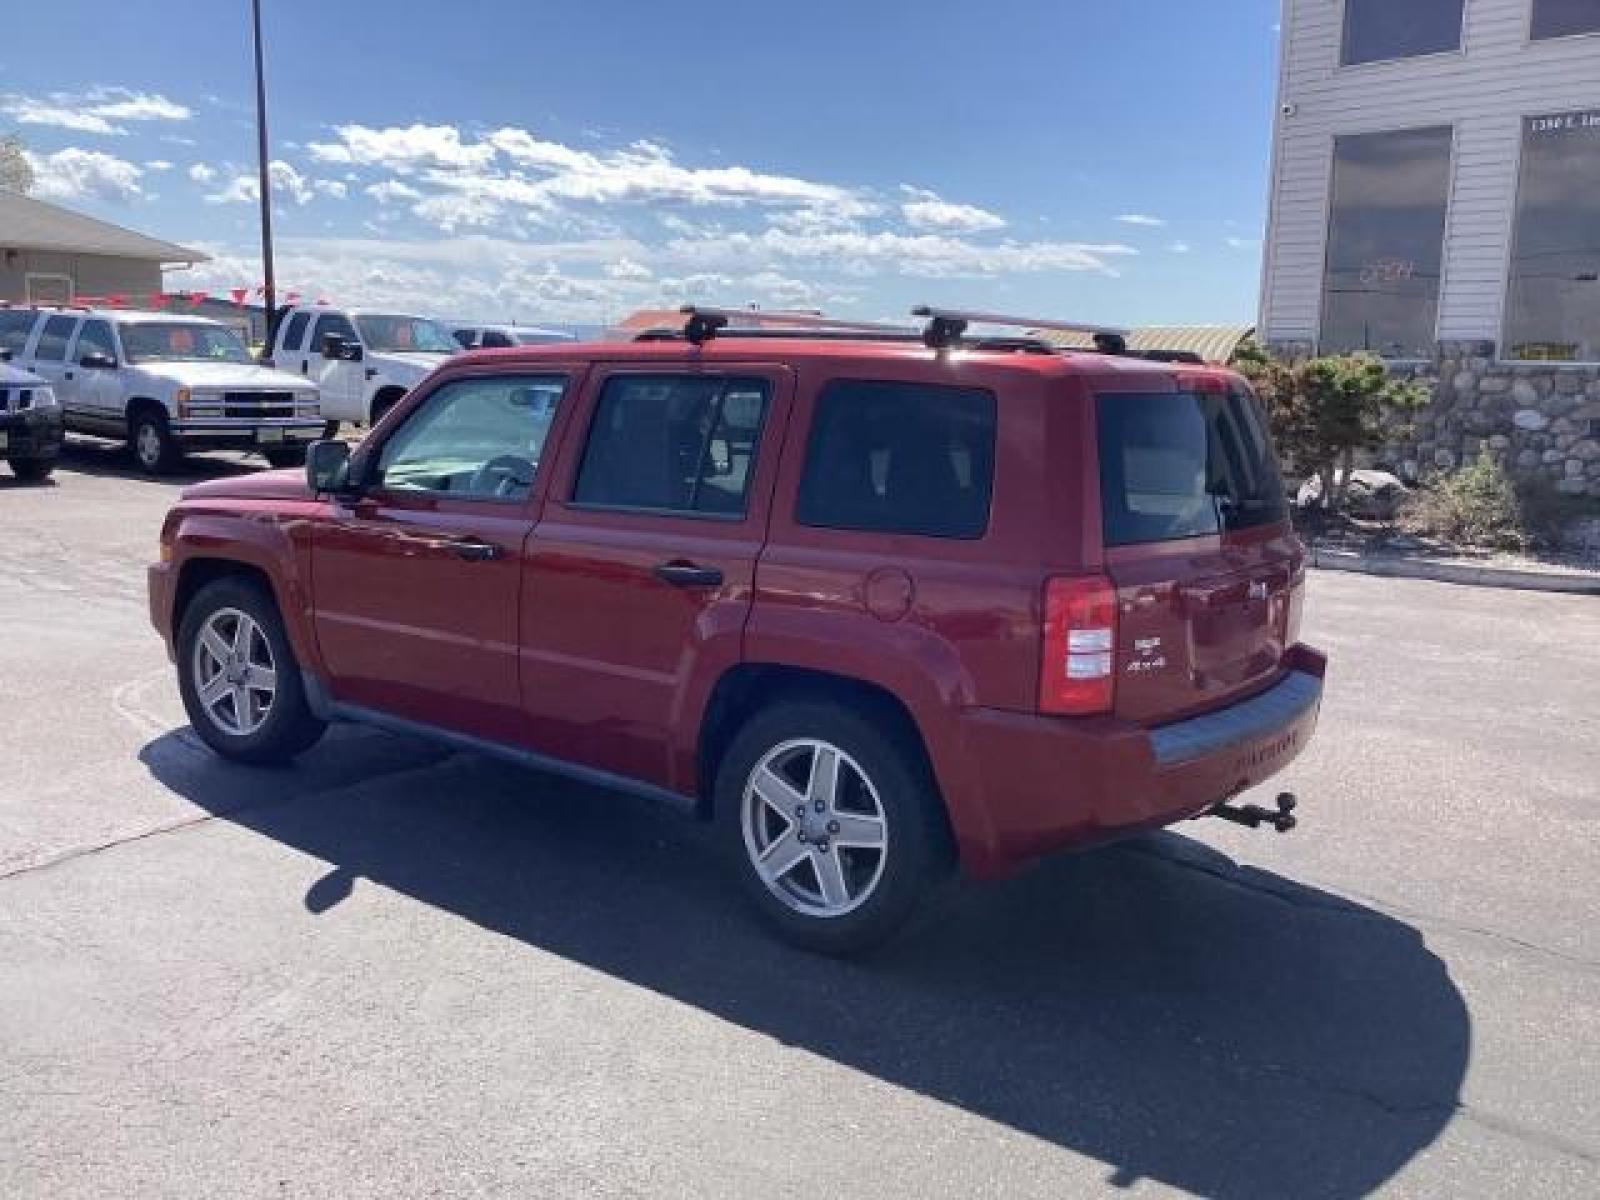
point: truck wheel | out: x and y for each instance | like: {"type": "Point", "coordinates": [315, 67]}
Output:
{"type": "Point", "coordinates": [285, 456]}
{"type": "Point", "coordinates": [330, 430]}
{"type": "Point", "coordinates": [383, 403]}
{"type": "Point", "coordinates": [32, 470]}
{"type": "Point", "coordinates": [240, 683]}
{"type": "Point", "coordinates": [837, 829]}
{"type": "Point", "coordinates": [154, 448]}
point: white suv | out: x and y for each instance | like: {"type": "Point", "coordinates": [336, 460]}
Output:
{"type": "Point", "coordinates": [364, 360]}
{"type": "Point", "coordinates": [166, 384]}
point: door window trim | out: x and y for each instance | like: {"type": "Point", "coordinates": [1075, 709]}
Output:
{"type": "Point", "coordinates": [725, 372]}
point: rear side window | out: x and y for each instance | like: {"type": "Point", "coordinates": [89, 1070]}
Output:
{"type": "Point", "coordinates": [53, 339]}
{"type": "Point", "coordinates": [295, 334]}
{"type": "Point", "coordinates": [666, 443]}
{"type": "Point", "coordinates": [14, 330]}
{"type": "Point", "coordinates": [900, 458]}
{"type": "Point", "coordinates": [1184, 464]}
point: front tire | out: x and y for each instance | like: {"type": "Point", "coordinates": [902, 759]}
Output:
{"type": "Point", "coordinates": [285, 456]}
{"type": "Point", "coordinates": [237, 673]}
{"type": "Point", "coordinates": [32, 470]}
{"type": "Point", "coordinates": [150, 438]}
{"type": "Point", "coordinates": [834, 822]}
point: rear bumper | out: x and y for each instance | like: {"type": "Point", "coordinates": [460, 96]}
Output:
{"type": "Point", "coordinates": [1040, 784]}
{"type": "Point", "coordinates": [32, 433]}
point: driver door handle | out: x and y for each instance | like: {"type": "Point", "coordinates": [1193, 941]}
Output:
{"type": "Point", "coordinates": [475, 549]}
{"type": "Point", "coordinates": [688, 574]}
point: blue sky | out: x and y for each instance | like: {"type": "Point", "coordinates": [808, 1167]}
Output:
{"type": "Point", "coordinates": [574, 161]}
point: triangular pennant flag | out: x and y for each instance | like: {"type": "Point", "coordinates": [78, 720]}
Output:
{"type": "Point", "coordinates": [238, 294]}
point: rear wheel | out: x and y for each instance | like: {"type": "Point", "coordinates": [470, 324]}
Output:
{"type": "Point", "coordinates": [240, 683]}
{"type": "Point", "coordinates": [32, 470]}
{"type": "Point", "coordinates": [834, 822]}
{"type": "Point", "coordinates": [154, 448]}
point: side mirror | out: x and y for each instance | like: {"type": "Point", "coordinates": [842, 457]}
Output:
{"type": "Point", "coordinates": [328, 467]}
{"type": "Point", "coordinates": [95, 360]}
{"type": "Point", "coordinates": [337, 346]}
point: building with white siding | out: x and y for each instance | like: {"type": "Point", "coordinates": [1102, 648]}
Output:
{"type": "Point", "coordinates": [1436, 200]}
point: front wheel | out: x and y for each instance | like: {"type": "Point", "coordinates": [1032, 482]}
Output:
{"type": "Point", "coordinates": [32, 470]}
{"type": "Point", "coordinates": [835, 824]}
{"type": "Point", "coordinates": [240, 683]}
{"type": "Point", "coordinates": [154, 448]}
{"type": "Point", "coordinates": [285, 456]}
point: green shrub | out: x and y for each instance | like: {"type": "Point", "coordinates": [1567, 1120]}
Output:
{"type": "Point", "coordinates": [1475, 506]}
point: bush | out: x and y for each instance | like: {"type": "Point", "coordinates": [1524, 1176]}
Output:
{"type": "Point", "coordinates": [1475, 506]}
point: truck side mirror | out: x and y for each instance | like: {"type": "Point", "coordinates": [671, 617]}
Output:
{"type": "Point", "coordinates": [97, 360]}
{"type": "Point", "coordinates": [328, 467]}
{"type": "Point", "coordinates": [337, 346]}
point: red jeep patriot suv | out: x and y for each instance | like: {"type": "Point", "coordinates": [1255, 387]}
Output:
{"type": "Point", "coordinates": [880, 603]}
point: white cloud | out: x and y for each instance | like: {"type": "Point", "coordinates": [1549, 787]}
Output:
{"type": "Point", "coordinates": [287, 183]}
{"type": "Point", "coordinates": [201, 173]}
{"type": "Point", "coordinates": [392, 189]}
{"type": "Point", "coordinates": [626, 268]}
{"type": "Point", "coordinates": [927, 210]}
{"type": "Point", "coordinates": [331, 187]}
{"type": "Point", "coordinates": [855, 252]}
{"type": "Point", "coordinates": [1180, 247]}
{"type": "Point", "coordinates": [158, 164]}
{"type": "Point", "coordinates": [1142, 219]}
{"type": "Point", "coordinates": [1241, 243]}
{"type": "Point", "coordinates": [92, 111]}
{"type": "Point", "coordinates": [402, 149]}
{"type": "Point", "coordinates": [77, 174]}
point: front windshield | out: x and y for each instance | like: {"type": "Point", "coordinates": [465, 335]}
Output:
{"type": "Point", "coordinates": [386, 333]}
{"type": "Point", "coordinates": [181, 341]}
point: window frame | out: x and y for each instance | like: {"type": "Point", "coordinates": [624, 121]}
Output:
{"type": "Point", "coordinates": [75, 353]}
{"type": "Point", "coordinates": [314, 345]}
{"type": "Point", "coordinates": [1444, 233]}
{"type": "Point", "coordinates": [728, 373]}
{"type": "Point", "coordinates": [1502, 355]}
{"type": "Point", "coordinates": [803, 455]}
{"type": "Point", "coordinates": [66, 342]}
{"type": "Point", "coordinates": [370, 456]}
{"type": "Point", "coordinates": [290, 343]}
{"type": "Point", "coordinates": [1459, 50]}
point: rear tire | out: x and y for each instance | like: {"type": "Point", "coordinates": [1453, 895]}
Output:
{"type": "Point", "coordinates": [237, 673]}
{"type": "Point", "coordinates": [32, 470]}
{"type": "Point", "coordinates": [150, 438]}
{"type": "Point", "coordinates": [863, 863]}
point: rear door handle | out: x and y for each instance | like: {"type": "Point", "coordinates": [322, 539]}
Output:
{"type": "Point", "coordinates": [687, 574]}
{"type": "Point", "coordinates": [475, 549]}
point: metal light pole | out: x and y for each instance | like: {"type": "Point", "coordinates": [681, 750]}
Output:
{"type": "Point", "coordinates": [265, 188]}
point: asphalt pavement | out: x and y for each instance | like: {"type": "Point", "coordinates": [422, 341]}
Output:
{"type": "Point", "coordinates": [394, 970]}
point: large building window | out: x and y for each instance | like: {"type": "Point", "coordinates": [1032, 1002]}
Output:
{"type": "Point", "coordinates": [1375, 30]}
{"type": "Point", "coordinates": [1563, 18]}
{"type": "Point", "coordinates": [1553, 302]}
{"type": "Point", "coordinates": [1380, 288]}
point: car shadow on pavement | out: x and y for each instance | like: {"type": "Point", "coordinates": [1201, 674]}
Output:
{"type": "Point", "coordinates": [88, 456]}
{"type": "Point", "coordinates": [1154, 1005]}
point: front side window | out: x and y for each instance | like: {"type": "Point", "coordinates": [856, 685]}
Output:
{"type": "Point", "coordinates": [1184, 464]}
{"type": "Point", "coordinates": [1564, 18]}
{"type": "Point", "coordinates": [95, 338]}
{"type": "Point", "coordinates": [332, 323]}
{"type": "Point", "coordinates": [1376, 30]}
{"type": "Point", "coordinates": [1380, 290]}
{"type": "Point", "coordinates": [296, 331]}
{"type": "Point", "coordinates": [900, 458]}
{"type": "Point", "coordinates": [182, 341]}
{"type": "Point", "coordinates": [475, 439]}
{"type": "Point", "coordinates": [53, 339]}
{"type": "Point", "coordinates": [673, 443]}
{"type": "Point", "coordinates": [1553, 297]}
{"type": "Point", "coordinates": [391, 335]}
{"type": "Point", "coordinates": [15, 326]}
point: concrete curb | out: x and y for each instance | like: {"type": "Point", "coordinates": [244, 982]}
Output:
{"type": "Point", "coordinates": [1421, 568]}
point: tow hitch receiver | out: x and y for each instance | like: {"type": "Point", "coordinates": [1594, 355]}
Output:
{"type": "Point", "coordinates": [1254, 816]}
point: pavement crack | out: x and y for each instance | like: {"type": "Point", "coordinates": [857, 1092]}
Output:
{"type": "Point", "coordinates": [1356, 904]}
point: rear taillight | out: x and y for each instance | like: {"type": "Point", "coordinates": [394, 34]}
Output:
{"type": "Point", "coordinates": [1078, 674]}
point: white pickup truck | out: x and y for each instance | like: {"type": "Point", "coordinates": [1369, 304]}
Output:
{"type": "Point", "coordinates": [165, 383]}
{"type": "Point", "coordinates": [362, 360]}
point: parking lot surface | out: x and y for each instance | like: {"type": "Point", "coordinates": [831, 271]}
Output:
{"type": "Point", "coordinates": [399, 971]}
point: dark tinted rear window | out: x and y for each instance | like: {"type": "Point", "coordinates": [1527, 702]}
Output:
{"type": "Point", "coordinates": [1184, 465]}
{"type": "Point", "coordinates": [900, 458]}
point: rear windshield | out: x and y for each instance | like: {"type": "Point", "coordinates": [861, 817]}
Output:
{"type": "Point", "coordinates": [1183, 465]}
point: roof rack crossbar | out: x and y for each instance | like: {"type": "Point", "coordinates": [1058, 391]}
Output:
{"type": "Point", "coordinates": [954, 315]}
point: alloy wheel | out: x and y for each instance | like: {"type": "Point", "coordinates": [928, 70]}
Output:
{"type": "Point", "coordinates": [814, 828]}
{"type": "Point", "coordinates": [234, 674]}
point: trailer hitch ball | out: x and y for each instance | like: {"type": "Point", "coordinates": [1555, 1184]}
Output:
{"type": "Point", "coordinates": [1253, 816]}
